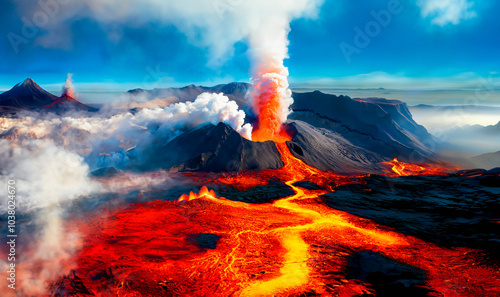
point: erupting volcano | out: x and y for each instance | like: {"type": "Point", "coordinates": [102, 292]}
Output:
{"type": "Point", "coordinates": [246, 188]}
{"type": "Point", "coordinates": [68, 95]}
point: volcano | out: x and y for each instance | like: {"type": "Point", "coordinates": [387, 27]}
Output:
{"type": "Point", "coordinates": [28, 95]}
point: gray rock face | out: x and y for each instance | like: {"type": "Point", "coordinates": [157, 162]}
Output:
{"type": "Point", "coordinates": [213, 149]}
{"type": "Point", "coordinates": [329, 151]}
{"type": "Point", "coordinates": [383, 127]}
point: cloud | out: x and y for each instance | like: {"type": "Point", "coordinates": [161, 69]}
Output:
{"type": "Point", "coordinates": [104, 138]}
{"type": "Point", "coordinates": [444, 12]}
{"type": "Point", "coordinates": [215, 25]}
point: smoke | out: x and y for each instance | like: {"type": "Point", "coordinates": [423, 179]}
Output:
{"type": "Point", "coordinates": [47, 178]}
{"type": "Point", "coordinates": [215, 25]}
{"type": "Point", "coordinates": [105, 138]}
{"type": "Point", "coordinates": [68, 88]}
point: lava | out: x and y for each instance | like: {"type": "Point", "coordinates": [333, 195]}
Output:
{"type": "Point", "coordinates": [68, 93]}
{"type": "Point", "coordinates": [398, 168]}
{"type": "Point", "coordinates": [293, 246]}
{"type": "Point", "coordinates": [204, 192]}
{"type": "Point", "coordinates": [270, 99]}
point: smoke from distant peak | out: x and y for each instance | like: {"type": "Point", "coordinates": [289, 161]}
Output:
{"type": "Point", "coordinates": [68, 88]}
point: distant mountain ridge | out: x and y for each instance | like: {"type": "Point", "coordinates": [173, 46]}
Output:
{"type": "Point", "coordinates": [332, 133]}
{"type": "Point", "coordinates": [28, 95]}
{"type": "Point", "coordinates": [384, 127]}
{"type": "Point", "coordinates": [488, 161]}
{"type": "Point", "coordinates": [235, 91]}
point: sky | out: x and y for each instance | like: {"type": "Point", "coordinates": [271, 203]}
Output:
{"type": "Point", "coordinates": [426, 44]}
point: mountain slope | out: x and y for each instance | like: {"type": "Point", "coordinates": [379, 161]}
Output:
{"type": "Point", "coordinates": [488, 161]}
{"type": "Point", "coordinates": [25, 96]}
{"type": "Point", "coordinates": [329, 151]}
{"type": "Point", "coordinates": [210, 148]}
{"type": "Point", "coordinates": [383, 127]}
{"type": "Point", "coordinates": [30, 96]}
{"type": "Point", "coordinates": [234, 91]}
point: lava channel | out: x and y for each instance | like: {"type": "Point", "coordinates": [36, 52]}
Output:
{"type": "Point", "coordinates": [205, 245]}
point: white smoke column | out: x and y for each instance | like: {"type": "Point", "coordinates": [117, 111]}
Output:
{"type": "Point", "coordinates": [68, 88]}
{"type": "Point", "coordinates": [47, 179]}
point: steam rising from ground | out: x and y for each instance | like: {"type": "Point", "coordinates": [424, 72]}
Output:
{"type": "Point", "coordinates": [47, 178]}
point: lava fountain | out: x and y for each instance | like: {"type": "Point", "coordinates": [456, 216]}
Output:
{"type": "Point", "coordinates": [270, 99]}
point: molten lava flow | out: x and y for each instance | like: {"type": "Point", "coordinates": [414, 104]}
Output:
{"type": "Point", "coordinates": [294, 246]}
{"type": "Point", "coordinates": [398, 168]}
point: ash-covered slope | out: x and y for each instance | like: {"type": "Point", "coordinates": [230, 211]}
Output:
{"type": "Point", "coordinates": [455, 210]}
{"type": "Point", "coordinates": [383, 127]}
{"type": "Point", "coordinates": [30, 96]}
{"type": "Point", "coordinates": [210, 148]}
{"type": "Point", "coordinates": [234, 91]}
{"type": "Point", "coordinates": [329, 151]}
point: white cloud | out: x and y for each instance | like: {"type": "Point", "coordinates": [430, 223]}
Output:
{"type": "Point", "coordinates": [215, 25]}
{"type": "Point", "coordinates": [444, 12]}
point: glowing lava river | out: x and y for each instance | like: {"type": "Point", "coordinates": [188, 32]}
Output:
{"type": "Point", "coordinates": [206, 245]}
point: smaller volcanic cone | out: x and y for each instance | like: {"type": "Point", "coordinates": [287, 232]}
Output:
{"type": "Point", "coordinates": [67, 101]}
{"type": "Point", "coordinates": [68, 88]}
{"type": "Point", "coordinates": [68, 93]}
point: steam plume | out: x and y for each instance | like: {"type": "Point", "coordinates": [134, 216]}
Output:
{"type": "Point", "coordinates": [68, 88]}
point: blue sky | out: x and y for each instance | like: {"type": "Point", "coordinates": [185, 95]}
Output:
{"type": "Point", "coordinates": [415, 50]}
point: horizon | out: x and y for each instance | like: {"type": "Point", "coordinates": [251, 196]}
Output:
{"type": "Point", "coordinates": [415, 45]}
{"type": "Point", "coordinates": [98, 93]}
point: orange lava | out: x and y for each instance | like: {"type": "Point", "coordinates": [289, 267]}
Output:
{"type": "Point", "coordinates": [204, 192]}
{"type": "Point", "coordinates": [295, 246]}
{"type": "Point", "coordinates": [269, 106]}
{"type": "Point", "coordinates": [398, 168]}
